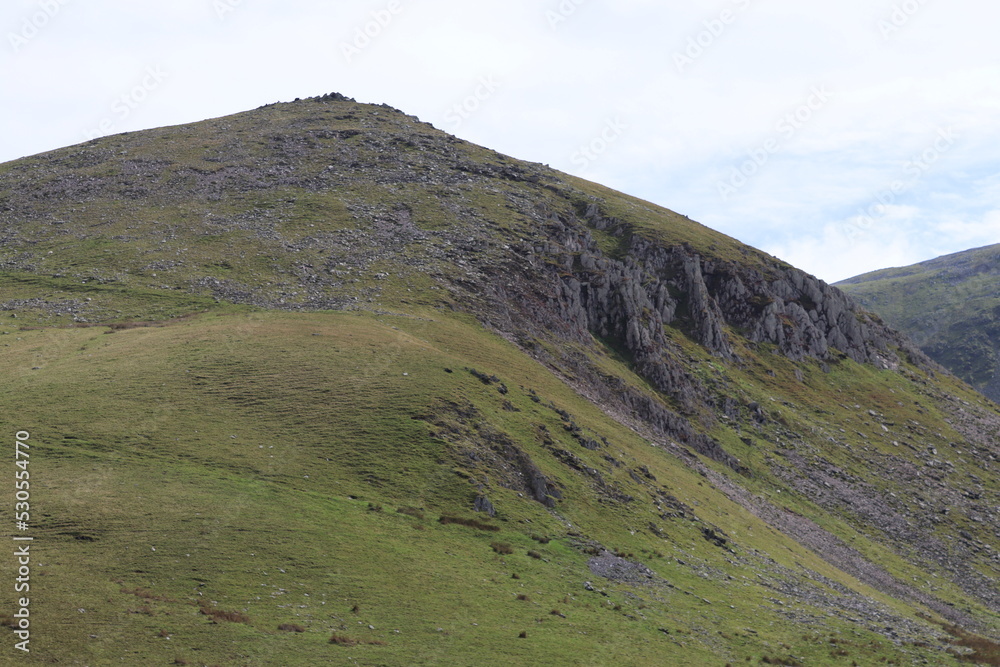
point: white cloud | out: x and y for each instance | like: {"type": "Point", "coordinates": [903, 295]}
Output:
{"type": "Point", "coordinates": [962, 234]}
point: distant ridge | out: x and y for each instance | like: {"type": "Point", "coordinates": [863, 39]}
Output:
{"type": "Point", "coordinates": [950, 306]}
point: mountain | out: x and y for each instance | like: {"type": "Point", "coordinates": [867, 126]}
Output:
{"type": "Point", "coordinates": [949, 306]}
{"type": "Point", "coordinates": [321, 384]}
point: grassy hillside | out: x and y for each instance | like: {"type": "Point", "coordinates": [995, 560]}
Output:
{"type": "Point", "coordinates": [949, 306]}
{"type": "Point", "coordinates": [288, 468]}
{"type": "Point", "coordinates": [298, 394]}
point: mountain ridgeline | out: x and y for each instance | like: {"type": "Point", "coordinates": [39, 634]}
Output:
{"type": "Point", "coordinates": [949, 306]}
{"type": "Point", "coordinates": [478, 407]}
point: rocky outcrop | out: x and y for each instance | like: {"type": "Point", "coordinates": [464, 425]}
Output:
{"type": "Point", "coordinates": [562, 287]}
{"type": "Point", "coordinates": [628, 301]}
{"type": "Point", "coordinates": [803, 316]}
{"type": "Point", "coordinates": [483, 449]}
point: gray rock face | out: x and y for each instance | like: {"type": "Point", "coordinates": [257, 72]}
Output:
{"type": "Point", "coordinates": [616, 568]}
{"type": "Point", "coordinates": [628, 302]}
{"type": "Point", "coordinates": [483, 504]}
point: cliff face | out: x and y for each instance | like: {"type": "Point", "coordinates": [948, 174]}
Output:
{"type": "Point", "coordinates": [630, 299]}
{"type": "Point", "coordinates": [564, 283]}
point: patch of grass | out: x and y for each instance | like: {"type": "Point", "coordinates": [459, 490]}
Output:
{"type": "Point", "coordinates": [222, 615]}
{"type": "Point", "coordinates": [788, 662]}
{"type": "Point", "coordinates": [502, 548]}
{"type": "Point", "coordinates": [342, 640]}
{"type": "Point", "coordinates": [412, 511]}
{"type": "Point", "coordinates": [146, 594]}
{"type": "Point", "coordinates": [447, 519]}
{"type": "Point", "coordinates": [984, 651]}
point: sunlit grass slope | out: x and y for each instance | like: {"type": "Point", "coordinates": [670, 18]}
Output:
{"type": "Point", "coordinates": [199, 484]}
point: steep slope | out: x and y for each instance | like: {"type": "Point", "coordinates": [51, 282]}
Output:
{"type": "Point", "coordinates": [324, 367]}
{"type": "Point", "coordinates": [949, 306]}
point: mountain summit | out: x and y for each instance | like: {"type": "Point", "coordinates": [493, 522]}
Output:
{"type": "Point", "coordinates": [321, 384]}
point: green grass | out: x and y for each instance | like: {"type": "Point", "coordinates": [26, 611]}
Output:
{"type": "Point", "coordinates": [241, 445]}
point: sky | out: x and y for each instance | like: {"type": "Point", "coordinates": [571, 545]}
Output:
{"type": "Point", "coordinates": [841, 137]}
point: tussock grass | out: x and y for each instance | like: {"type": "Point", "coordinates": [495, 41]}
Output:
{"type": "Point", "coordinates": [222, 615]}
{"type": "Point", "coordinates": [983, 651]}
{"type": "Point", "coordinates": [503, 548]}
{"type": "Point", "coordinates": [342, 640]}
{"type": "Point", "coordinates": [447, 519]}
{"type": "Point", "coordinates": [412, 511]}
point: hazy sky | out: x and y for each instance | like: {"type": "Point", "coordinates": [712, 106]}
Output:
{"type": "Point", "coordinates": [840, 136]}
